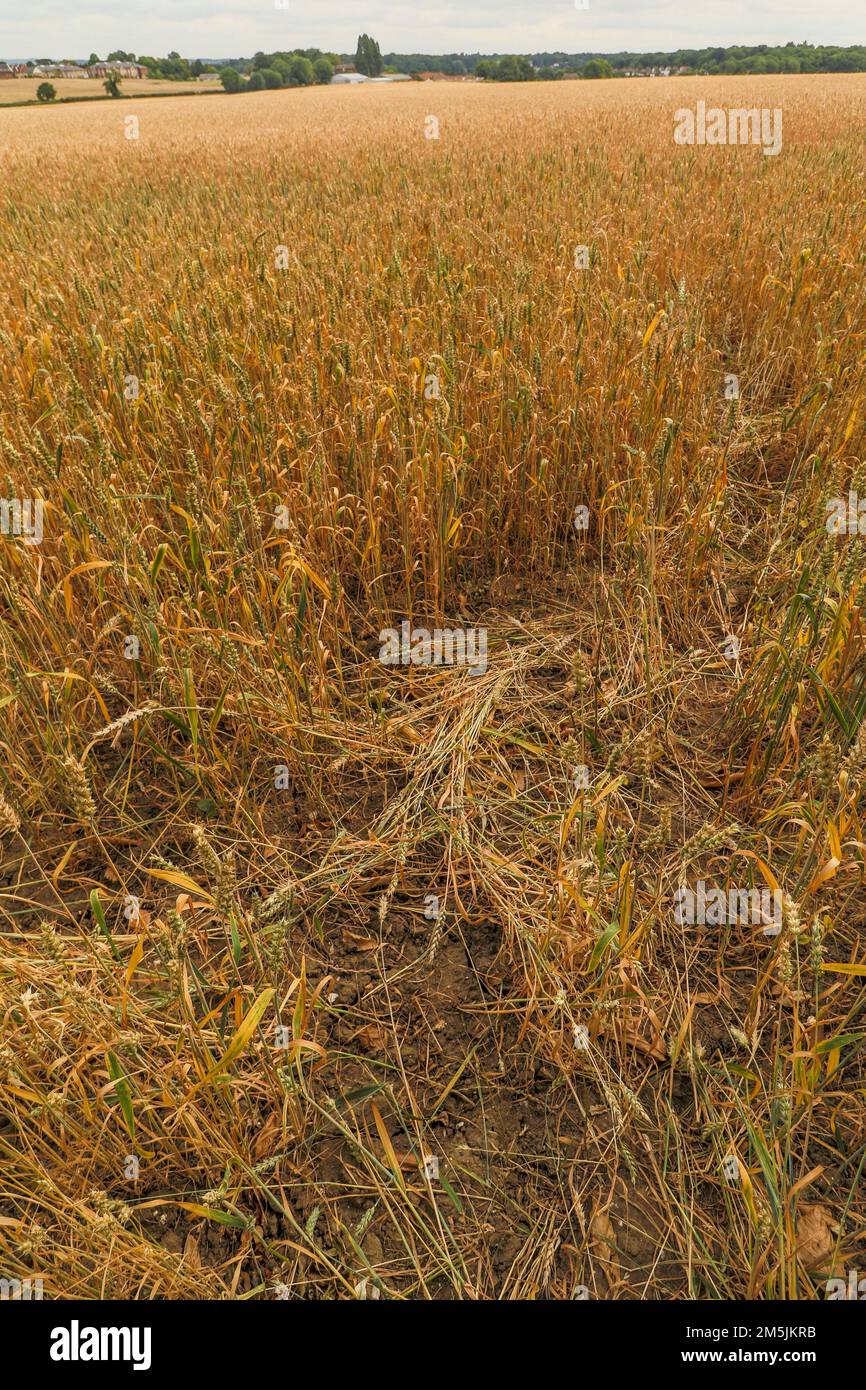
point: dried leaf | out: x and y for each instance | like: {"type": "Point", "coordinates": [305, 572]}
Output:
{"type": "Point", "coordinates": [816, 1237]}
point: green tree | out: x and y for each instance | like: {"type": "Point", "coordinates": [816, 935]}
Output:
{"type": "Point", "coordinates": [272, 78]}
{"type": "Point", "coordinates": [597, 67]}
{"type": "Point", "coordinates": [506, 70]}
{"type": "Point", "coordinates": [112, 86]}
{"type": "Point", "coordinates": [94, 58]}
{"type": "Point", "coordinates": [301, 71]}
{"type": "Point", "coordinates": [45, 92]}
{"type": "Point", "coordinates": [174, 66]}
{"type": "Point", "coordinates": [511, 69]}
{"type": "Point", "coordinates": [256, 82]}
{"type": "Point", "coordinates": [231, 79]}
{"type": "Point", "coordinates": [322, 71]}
{"type": "Point", "coordinates": [368, 58]}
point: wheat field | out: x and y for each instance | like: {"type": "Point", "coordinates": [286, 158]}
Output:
{"type": "Point", "coordinates": [323, 978]}
{"type": "Point", "coordinates": [25, 88]}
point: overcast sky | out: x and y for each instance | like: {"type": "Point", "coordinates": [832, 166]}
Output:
{"type": "Point", "coordinates": [234, 28]}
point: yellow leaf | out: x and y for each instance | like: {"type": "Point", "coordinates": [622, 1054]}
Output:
{"type": "Point", "coordinates": [513, 738]}
{"type": "Point", "coordinates": [387, 1145]}
{"type": "Point", "coordinates": [823, 875]}
{"type": "Point", "coordinates": [681, 1036]}
{"type": "Point", "coordinates": [190, 521]}
{"type": "Point", "coordinates": [311, 574]}
{"type": "Point", "coordinates": [241, 1037]}
{"type": "Point", "coordinates": [804, 1182]}
{"type": "Point", "coordinates": [653, 326]}
{"type": "Point", "coordinates": [180, 881]}
{"type": "Point", "coordinates": [80, 569]}
{"type": "Point", "coordinates": [135, 959]}
{"type": "Point", "coordinates": [835, 841]}
{"type": "Point", "coordinates": [607, 790]}
{"type": "Point", "coordinates": [766, 872]}
{"type": "Point", "coordinates": [55, 877]}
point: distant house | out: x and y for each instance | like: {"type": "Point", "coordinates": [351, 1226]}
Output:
{"type": "Point", "coordinates": [6, 70]}
{"type": "Point", "coordinates": [116, 69]}
{"type": "Point", "coordinates": [344, 67]}
{"type": "Point", "coordinates": [346, 79]}
{"type": "Point", "coordinates": [57, 70]}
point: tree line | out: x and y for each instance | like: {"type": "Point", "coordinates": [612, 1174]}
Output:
{"type": "Point", "coordinates": [737, 58]}
{"type": "Point", "coordinates": [301, 68]}
{"type": "Point", "coordinates": [304, 67]}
